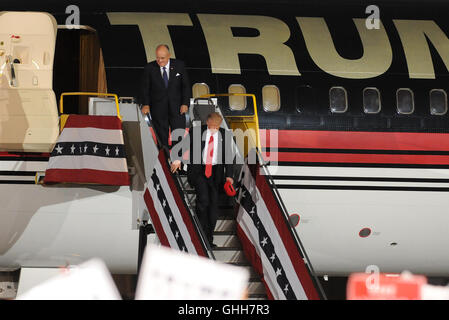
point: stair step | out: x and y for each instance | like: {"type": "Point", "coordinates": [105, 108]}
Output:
{"type": "Point", "coordinates": [253, 276]}
{"type": "Point", "coordinates": [222, 212]}
{"type": "Point", "coordinates": [227, 213]}
{"type": "Point", "coordinates": [257, 296]}
{"type": "Point", "coordinates": [225, 233]}
{"type": "Point", "coordinates": [256, 288]}
{"type": "Point", "coordinates": [225, 217]}
{"type": "Point", "coordinates": [226, 240]}
{"type": "Point", "coordinates": [225, 206]}
{"type": "Point", "coordinates": [225, 224]}
{"type": "Point", "coordinates": [228, 255]}
{"type": "Point", "coordinates": [228, 248]}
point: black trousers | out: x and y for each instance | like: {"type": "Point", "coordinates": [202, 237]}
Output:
{"type": "Point", "coordinates": [207, 202]}
{"type": "Point", "coordinates": [162, 126]}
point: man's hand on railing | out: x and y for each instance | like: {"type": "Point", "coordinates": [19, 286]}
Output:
{"type": "Point", "coordinates": [175, 166]}
{"type": "Point", "coordinates": [145, 109]}
{"type": "Point", "coordinates": [183, 109]}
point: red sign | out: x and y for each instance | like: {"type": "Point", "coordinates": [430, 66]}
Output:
{"type": "Point", "coordinates": [363, 286]}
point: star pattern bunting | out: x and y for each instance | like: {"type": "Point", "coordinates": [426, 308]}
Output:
{"type": "Point", "coordinates": [266, 244]}
{"type": "Point", "coordinates": [89, 149]}
{"type": "Point", "coordinates": [168, 213]}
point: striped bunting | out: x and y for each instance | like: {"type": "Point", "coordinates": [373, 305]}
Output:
{"type": "Point", "coordinates": [168, 212]}
{"type": "Point", "coordinates": [90, 149]}
{"type": "Point", "coordinates": [268, 242]}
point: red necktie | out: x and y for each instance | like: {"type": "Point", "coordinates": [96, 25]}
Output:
{"type": "Point", "coordinates": [209, 156]}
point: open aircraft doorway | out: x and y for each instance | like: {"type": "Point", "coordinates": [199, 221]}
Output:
{"type": "Point", "coordinates": [79, 65]}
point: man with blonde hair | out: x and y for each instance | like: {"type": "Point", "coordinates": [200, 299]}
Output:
{"type": "Point", "coordinates": [209, 167]}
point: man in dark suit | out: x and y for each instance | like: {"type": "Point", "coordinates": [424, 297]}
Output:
{"type": "Point", "coordinates": [209, 167]}
{"type": "Point", "coordinates": [166, 93]}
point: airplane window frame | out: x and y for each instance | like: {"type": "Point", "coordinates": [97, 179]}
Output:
{"type": "Point", "coordinates": [430, 102]}
{"type": "Point", "coordinates": [200, 83]}
{"type": "Point", "coordinates": [279, 96]}
{"type": "Point", "coordinates": [330, 100]}
{"type": "Point", "coordinates": [379, 98]}
{"type": "Point", "coordinates": [244, 89]}
{"type": "Point", "coordinates": [413, 101]}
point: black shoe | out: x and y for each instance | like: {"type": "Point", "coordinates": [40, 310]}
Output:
{"type": "Point", "coordinates": [213, 245]}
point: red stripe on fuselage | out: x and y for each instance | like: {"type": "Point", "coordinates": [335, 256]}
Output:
{"type": "Point", "coordinates": [339, 140]}
{"type": "Point", "coordinates": [356, 140]}
{"type": "Point", "coordinates": [44, 156]}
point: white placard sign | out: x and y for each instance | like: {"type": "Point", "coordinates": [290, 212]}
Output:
{"type": "Point", "coordinates": [88, 281]}
{"type": "Point", "coordinates": [168, 274]}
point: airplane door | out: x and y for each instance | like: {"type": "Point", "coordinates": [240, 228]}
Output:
{"type": "Point", "coordinates": [28, 108]}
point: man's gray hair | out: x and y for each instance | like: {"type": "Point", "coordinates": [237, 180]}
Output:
{"type": "Point", "coordinates": [163, 45]}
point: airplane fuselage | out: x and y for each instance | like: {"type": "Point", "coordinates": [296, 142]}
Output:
{"type": "Point", "coordinates": [368, 180]}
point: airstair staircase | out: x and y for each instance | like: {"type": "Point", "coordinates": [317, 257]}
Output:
{"type": "Point", "coordinates": [229, 249]}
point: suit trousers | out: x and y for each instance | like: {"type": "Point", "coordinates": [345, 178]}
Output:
{"type": "Point", "coordinates": [162, 126]}
{"type": "Point", "coordinates": [207, 202]}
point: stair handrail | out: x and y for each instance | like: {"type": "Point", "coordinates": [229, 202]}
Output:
{"type": "Point", "coordinates": [181, 190]}
{"type": "Point", "coordinates": [102, 94]}
{"type": "Point", "coordinates": [254, 116]}
{"type": "Point", "coordinates": [308, 263]}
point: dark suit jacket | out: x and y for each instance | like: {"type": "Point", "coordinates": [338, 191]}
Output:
{"type": "Point", "coordinates": [225, 155]}
{"type": "Point", "coordinates": [165, 102]}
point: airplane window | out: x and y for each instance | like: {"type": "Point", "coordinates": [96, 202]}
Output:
{"type": "Point", "coordinates": [438, 102]}
{"type": "Point", "coordinates": [405, 101]}
{"type": "Point", "coordinates": [371, 100]}
{"type": "Point", "coordinates": [271, 98]}
{"type": "Point", "coordinates": [306, 99]}
{"type": "Point", "coordinates": [235, 102]}
{"type": "Point", "coordinates": [199, 89]}
{"type": "Point", "coordinates": [338, 100]}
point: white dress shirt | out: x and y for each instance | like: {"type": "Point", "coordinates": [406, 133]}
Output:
{"type": "Point", "coordinates": [206, 147]}
{"type": "Point", "coordinates": [167, 69]}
